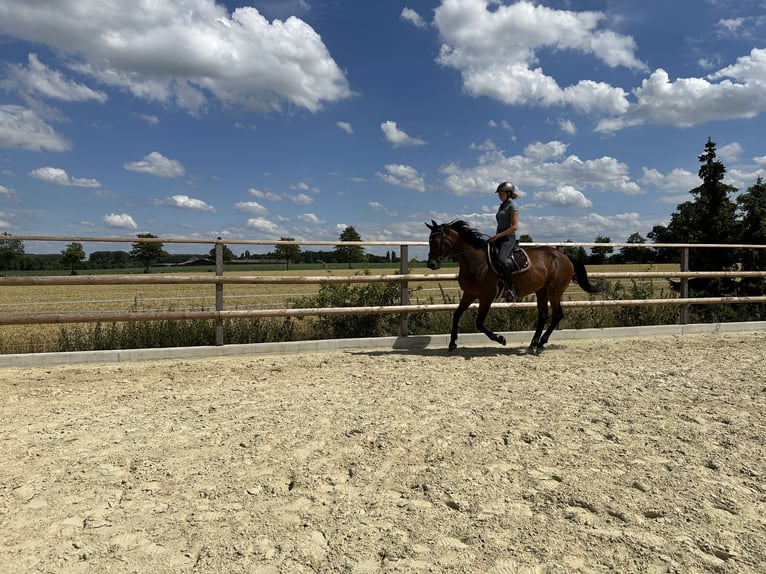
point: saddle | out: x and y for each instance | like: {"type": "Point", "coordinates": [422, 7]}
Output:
{"type": "Point", "coordinates": [518, 258]}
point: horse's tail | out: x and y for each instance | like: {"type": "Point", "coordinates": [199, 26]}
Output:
{"type": "Point", "coordinates": [582, 279]}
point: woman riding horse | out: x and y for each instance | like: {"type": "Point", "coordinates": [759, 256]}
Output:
{"type": "Point", "coordinates": [548, 274]}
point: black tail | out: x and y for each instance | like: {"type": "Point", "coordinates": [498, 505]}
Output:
{"type": "Point", "coordinates": [581, 277]}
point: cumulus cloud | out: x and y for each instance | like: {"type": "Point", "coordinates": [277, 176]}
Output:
{"type": "Point", "coordinates": [403, 176]}
{"type": "Point", "coordinates": [495, 52]}
{"type": "Point", "coordinates": [184, 53]}
{"type": "Point", "coordinates": [563, 196]}
{"type": "Point", "coordinates": [184, 202]}
{"type": "Point", "coordinates": [310, 218]}
{"type": "Point", "coordinates": [158, 165]}
{"type": "Point", "coordinates": [59, 176]}
{"type": "Point", "coordinates": [6, 192]}
{"type": "Point", "coordinates": [268, 195]}
{"type": "Point", "coordinates": [413, 18]}
{"type": "Point", "coordinates": [38, 80]}
{"type": "Point", "coordinates": [121, 220]}
{"type": "Point", "coordinates": [23, 128]}
{"type": "Point", "coordinates": [301, 199]}
{"type": "Point", "coordinates": [734, 92]}
{"type": "Point", "coordinates": [398, 137]}
{"type": "Point", "coordinates": [542, 166]}
{"type": "Point", "coordinates": [265, 226]}
{"type": "Point", "coordinates": [252, 207]}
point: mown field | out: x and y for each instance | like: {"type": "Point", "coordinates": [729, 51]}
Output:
{"type": "Point", "coordinates": [71, 299]}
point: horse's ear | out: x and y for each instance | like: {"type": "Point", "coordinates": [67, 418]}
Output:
{"type": "Point", "coordinates": [432, 226]}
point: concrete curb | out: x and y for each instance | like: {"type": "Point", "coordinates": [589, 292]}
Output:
{"type": "Point", "coordinates": [392, 343]}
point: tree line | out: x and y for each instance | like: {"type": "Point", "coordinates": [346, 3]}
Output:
{"type": "Point", "coordinates": [715, 213]}
{"type": "Point", "coordinates": [145, 254]}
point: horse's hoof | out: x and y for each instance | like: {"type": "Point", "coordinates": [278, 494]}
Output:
{"type": "Point", "coordinates": [538, 350]}
{"type": "Point", "coordinates": [501, 340]}
{"type": "Point", "coordinates": [452, 347]}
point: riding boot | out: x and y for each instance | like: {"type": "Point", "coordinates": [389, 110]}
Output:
{"type": "Point", "coordinates": [507, 273]}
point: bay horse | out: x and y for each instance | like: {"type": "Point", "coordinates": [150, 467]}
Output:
{"type": "Point", "coordinates": [549, 273]}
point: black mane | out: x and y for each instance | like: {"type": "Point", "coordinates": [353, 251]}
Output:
{"type": "Point", "coordinates": [470, 235]}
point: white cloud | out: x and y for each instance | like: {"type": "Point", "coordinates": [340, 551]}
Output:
{"type": "Point", "coordinates": [6, 192]}
{"type": "Point", "coordinates": [38, 80]}
{"type": "Point", "coordinates": [184, 202]}
{"type": "Point", "coordinates": [184, 53]}
{"type": "Point", "coordinates": [310, 218]}
{"type": "Point", "coordinates": [496, 52]}
{"type": "Point", "coordinates": [403, 176]}
{"type": "Point", "coordinates": [542, 166]}
{"type": "Point", "coordinates": [377, 206]}
{"type": "Point", "coordinates": [730, 152]}
{"type": "Point", "coordinates": [122, 220]}
{"type": "Point", "coordinates": [564, 196]}
{"type": "Point", "coordinates": [413, 18]}
{"type": "Point", "coordinates": [22, 128]}
{"type": "Point", "coordinates": [301, 199]}
{"type": "Point", "coordinates": [252, 207]}
{"type": "Point", "coordinates": [345, 126]}
{"type": "Point", "coordinates": [264, 225]}
{"type": "Point", "coordinates": [685, 102]}
{"type": "Point", "coordinates": [398, 137]}
{"type": "Point", "coordinates": [158, 165]}
{"type": "Point", "coordinates": [268, 195]}
{"type": "Point", "coordinates": [678, 180]}
{"type": "Point", "coordinates": [59, 176]}
{"type": "Point", "coordinates": [568, 127]}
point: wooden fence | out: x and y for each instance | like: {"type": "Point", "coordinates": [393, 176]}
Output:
{"type": "Point", "coordinates": [404, 277]}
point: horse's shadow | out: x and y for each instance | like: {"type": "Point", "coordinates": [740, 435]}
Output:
{"type": "Point", "coordinates": [466, 353]}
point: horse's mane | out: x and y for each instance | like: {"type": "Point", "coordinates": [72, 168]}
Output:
{"type": "Point", "coordinates": [470, 235]}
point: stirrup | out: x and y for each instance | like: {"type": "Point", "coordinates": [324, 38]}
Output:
{"type": "Point", "coordinates": [509, 295]}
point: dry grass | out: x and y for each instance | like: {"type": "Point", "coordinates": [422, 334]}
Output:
{"type": "Point", "coordinates": [64, 299]}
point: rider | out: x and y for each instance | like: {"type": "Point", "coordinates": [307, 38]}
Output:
{"type": "Point", "coordinates": [507, 217]}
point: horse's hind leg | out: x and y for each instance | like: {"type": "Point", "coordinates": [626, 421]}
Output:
{"type": "Point", "coordinates": [542, 319]}
{"type": "Point", "coordinates": [556, 316]}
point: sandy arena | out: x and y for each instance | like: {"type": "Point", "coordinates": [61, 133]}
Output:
{"type": "Point", "coordinates": [625, 455]}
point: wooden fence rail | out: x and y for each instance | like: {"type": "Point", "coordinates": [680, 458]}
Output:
{"type": "Point", "coordinates": [219, 315]}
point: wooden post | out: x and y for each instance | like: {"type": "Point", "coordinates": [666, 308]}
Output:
{"type": "Point", "coordinates": [404, 297]}
{"type": "Point", "coordinates": [219, 292]}
{"type": "Point", "coordinates": [684, 292]}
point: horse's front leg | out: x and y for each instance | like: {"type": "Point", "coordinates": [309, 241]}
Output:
{"type": "Point", "coordinates": [480, 316]}
{"type": "Point", "coordinates": [465, 302]}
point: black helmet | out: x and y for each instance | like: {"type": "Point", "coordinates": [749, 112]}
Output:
{"type": "Point", "coordinates": [506, 186]}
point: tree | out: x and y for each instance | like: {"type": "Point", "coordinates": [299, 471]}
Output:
{"type": "Point", "coordinates": [709, 218]}
{"type": "Point", "coordinates": [11, 252]}
{"type": "Point", "coordinates": [349, 253]}
{"type": "Point", "coordinates": [599, 253]}
{"type": "Point", "coordinates": [228, 254]}
{"type": "Point", "coordinates": [290, 252]}
{"type": "Point", "coordinates": [147, 252]}
{"type": "Point", "coordinates": [525, 238]}
{"type": "Point", "coordinates": [576, 252]}
{"type": "Point", "coordinates": [109, 259]}
{"type": "Point", "coordinates": [635, 254]}
{"type": "Point", "coordinates": [752, 205]}
{"type": "Point", "coordinates": [72, 255]}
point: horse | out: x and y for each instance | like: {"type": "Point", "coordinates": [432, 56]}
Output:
{"type": "Point", "coordinates": [548, 274]}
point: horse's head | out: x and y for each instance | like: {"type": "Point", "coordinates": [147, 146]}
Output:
{"type": "Point", "coordinates": [439, 244]}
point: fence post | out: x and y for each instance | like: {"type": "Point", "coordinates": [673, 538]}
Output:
{"type": "Point", "coordinates": [404, 297]}
{"type": "Point", "coordinates": [684, 287]}
{"type": "Point", "coordinates": [219, 292]}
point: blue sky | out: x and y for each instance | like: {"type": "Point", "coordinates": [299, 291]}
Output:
{"type": "Point", "coordinates": [266, 119]}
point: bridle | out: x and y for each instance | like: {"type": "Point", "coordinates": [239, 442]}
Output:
{"type": "Point", "coordinates": [442, 239]}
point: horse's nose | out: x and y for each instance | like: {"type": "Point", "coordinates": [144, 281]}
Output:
{"type": "Point", "coordinates": [433, 264]}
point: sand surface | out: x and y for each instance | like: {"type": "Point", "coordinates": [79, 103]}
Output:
{"type": "Point", "coordinates": [627, 455]}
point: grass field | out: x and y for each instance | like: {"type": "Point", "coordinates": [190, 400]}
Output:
{"type": "Point", "coordinates": [69, 299]}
